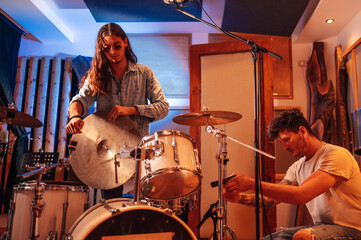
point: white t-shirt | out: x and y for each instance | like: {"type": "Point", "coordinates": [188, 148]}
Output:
{"type": "Point", "coordinates": [341, 204]}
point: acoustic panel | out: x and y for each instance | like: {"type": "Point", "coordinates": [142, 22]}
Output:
{"type": "Point", "coordinates": [270, 17]}
{"type": "Point", "coordinates": [141, 11]}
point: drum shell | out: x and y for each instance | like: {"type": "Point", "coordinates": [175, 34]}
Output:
{"type": "Point", "coordinates": [175, 172]}
{"type": "Point", "coordinates": [54, 197]}
{"type": "Point", "coordinates": [120, 217]}
{"type": "Point", "coordinates": [179, 205]}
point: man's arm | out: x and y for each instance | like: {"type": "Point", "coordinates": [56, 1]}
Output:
{"type": "Point", "coordinates": [319, 182]}
{"type": "Point", "coordinates": [316, 184]}
{"type": "Point", "coordinates": [250, 199]}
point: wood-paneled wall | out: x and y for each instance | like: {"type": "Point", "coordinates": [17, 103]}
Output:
{"type": "Point", "coordinates": [43, 90]}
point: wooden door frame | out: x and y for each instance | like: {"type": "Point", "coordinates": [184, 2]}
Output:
{"type": "Point", "coordinates": [265, 71]}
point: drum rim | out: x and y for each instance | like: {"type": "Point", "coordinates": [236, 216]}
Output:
{"type": "Point", "coordinates": [89, 210]}
{"type": "Point", "coordinates": [172, 170]}
{"type": "Point", "coordinates": [151, 137]}
{"type": "Point", "coordinates": [30, 185]}
{"type": "Point", "coordinates": [129, 207]}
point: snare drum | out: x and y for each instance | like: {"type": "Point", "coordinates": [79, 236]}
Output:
{"type": "Point", "coordinates": [175, 170]}
{"type": "Point", "coordinates": [60, 201]}
{"type": "Point", "coordinates": [119, 218]}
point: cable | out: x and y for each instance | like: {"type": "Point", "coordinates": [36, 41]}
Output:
{"type": "Point", "coordinates": [199, 2]}
{"type": "Point", "coordinates": [264, 207]}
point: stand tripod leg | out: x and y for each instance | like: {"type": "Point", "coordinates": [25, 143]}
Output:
{"type": "Point", "coordinates": [215, 223]}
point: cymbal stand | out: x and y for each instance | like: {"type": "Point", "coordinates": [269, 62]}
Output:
{"type": "Point", "coordinates": [217, 132]}
{"type": "Point", "coordinates": [222, 159]}
{"type": "Point", "coordinates": [36, 208]}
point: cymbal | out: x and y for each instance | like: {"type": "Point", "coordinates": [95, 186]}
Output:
{"type": "Point", "coordinates": [207, 117]}
{"type": "Point", "coordinates": [14, 117]}
{"type": "Point", "coordinates": [93, 158]}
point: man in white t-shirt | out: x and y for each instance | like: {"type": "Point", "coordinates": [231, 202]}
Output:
{"type": "Point", "coordinates": [326, 178]}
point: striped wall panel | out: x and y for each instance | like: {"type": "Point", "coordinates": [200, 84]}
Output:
{"type": "Point", "coordinates": [43, 90]}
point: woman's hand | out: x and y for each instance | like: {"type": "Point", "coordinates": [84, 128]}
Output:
{"type": "Point", "coordinates": [120, 110]}
{"type": "Point", "coordinates": [75, 125]}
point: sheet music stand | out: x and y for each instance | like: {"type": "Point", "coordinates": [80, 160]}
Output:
{"type": "Point", "coordinates": [34, 158]}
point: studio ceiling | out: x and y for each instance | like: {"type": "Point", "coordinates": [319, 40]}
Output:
{"type": "Point", "coordinates": [272, 17]}
{"type": "Point", "coordinates": [62, 20]}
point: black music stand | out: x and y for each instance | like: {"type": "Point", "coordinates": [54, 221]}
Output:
{"type": "Point", "coordinates": [32, 159]}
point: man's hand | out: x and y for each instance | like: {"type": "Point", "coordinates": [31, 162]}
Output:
{"type": "Point", "coordinates": [231, 196]}
{"type": "Point", "coordinates": [75, 125]}
{"type": "Point", "coordinates": [120, 110]}
{"type": "Point", "coordinates": [240, 183]}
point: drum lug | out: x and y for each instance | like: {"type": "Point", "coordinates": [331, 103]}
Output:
{"type": "Point", "coordinates": [148, 168]}
{"type": "Point", "coordinates": [198, 165]}
{"type": "Point", "coordinates": [157, 146]}
{"type": "Point", "coordinates": [52, 235]}
{"type": "Point", "coordinates": [113, 211]}
{"type": "Point", "coordinates": [68, 237]}
{"type": "Point", "coordinates": [168, 211]}
{"type": "Point", "coordinates": [175, 150]}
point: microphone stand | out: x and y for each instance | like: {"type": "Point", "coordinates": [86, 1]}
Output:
{"type": "Point", "coordinates": [255, 50]}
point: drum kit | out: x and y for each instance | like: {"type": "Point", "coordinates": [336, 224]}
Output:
{"type": "Point", "coordinates": [166, 171]}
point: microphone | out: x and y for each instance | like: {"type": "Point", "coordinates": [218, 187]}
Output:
{"type": "Point", "coordinates": [4, 140]}
{"type": "Point", "coordinates": [175, 1]}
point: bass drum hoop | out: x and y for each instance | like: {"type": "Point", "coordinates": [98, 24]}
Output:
{"type": "Point", "coordinates": [112, 212]}
{"type": "Point", "coordinates": [30, 185]}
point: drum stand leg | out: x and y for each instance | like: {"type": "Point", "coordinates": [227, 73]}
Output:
{"type": "Point", "coordinates": [36, 209]}
{"type": "Point", "coordinates": [139, 155]}
{"type": "Point", "coordinates": [65, 213]}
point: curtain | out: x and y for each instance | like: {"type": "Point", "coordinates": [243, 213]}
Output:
{"type": "Point", "coordinates": [10, 37]}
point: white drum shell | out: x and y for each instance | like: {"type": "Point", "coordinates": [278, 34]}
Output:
{"type": "Point", "coordinates": [54, 197]}
{"type": "Point", "coordinates": [175, 172]}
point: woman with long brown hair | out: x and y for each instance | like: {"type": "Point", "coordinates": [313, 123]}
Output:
{"type": "Point", "coordinates": [118, 84]}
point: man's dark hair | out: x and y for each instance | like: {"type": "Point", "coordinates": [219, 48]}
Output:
{"type": "Point", "coordinates": [289, 120]}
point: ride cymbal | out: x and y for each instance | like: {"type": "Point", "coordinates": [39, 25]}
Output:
{"type": "Point", "coordinates": [14, 117]}
{"type": "Point", "coordinates": [93, 157]}
{"type": "Point", "coordinates": [207, 118]}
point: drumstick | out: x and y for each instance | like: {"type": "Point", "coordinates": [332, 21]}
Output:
{"type": "Point", "coordinates": [215, 183]}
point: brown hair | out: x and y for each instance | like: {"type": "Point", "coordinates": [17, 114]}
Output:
{"type": "Point", "coordinates": [289, 120]}
{"type": "Point", "coordinates": [98, 73]}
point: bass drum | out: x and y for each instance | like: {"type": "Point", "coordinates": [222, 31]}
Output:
{"type": "Point", "coordinates": [121, 219]}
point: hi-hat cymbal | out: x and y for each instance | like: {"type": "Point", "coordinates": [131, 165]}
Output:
{"type": "Point", "coordinates": [207, 118]}
{"type": "Point", "coordinates": [14, 117]}
{"type": "Point", "coordinates": [93, 157]}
